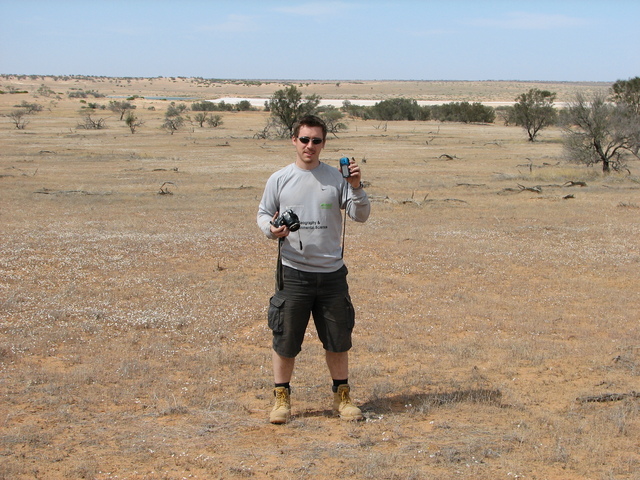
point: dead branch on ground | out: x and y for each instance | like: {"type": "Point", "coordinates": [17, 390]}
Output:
{"type": "Point", "coordinates": [608, 397]}
{"type": "Point", "coordinates": [46, 191]}
{"type": "Point", "coordinates": [164, 188]}
{"type": "Point", "coordinates": [536, 189]}
{"type": "Point", "coordinates": [433, 137]}
{"type": "Point", "coordinates": [412, 199]}
{"type": "Point", "coordinates": [521, 188]}
{"type": "Point", "coordinates": [425, 200]}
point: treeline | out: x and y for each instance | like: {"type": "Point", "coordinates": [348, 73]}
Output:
{"type": "Point", "coordinates": [222, 106]}
{"type": "Point", "coordinates": [385, 110]}
{"type": "Point", "coordinates": [408, 109]}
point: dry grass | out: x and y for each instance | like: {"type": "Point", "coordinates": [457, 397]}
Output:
{"type": "Point", "coordinates": [134, 341]}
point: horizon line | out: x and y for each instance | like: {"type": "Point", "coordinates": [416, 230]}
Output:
{"type": "Point", "coordinates": [285, 80]}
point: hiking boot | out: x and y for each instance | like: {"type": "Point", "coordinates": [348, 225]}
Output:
{"type": "Point", "coordinates": [282, 408]}
{"type": "Point", "coordinates": [342, 404]}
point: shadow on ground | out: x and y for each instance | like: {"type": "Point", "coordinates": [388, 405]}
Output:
{"type": "Point", "coordinates": [419, 402]}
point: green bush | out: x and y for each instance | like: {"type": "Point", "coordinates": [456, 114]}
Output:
{"type": "Point", "coordinates": [85, 94]}
{"type": "Point", "coordinates": [205, 106]}
{"type": "Point", "coordinates": [408, 109]}
{"type": "Point", "coordinates": [464, 112]}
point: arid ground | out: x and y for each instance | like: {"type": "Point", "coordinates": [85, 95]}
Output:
{"type": "Point", "coordinates": [496, 289]}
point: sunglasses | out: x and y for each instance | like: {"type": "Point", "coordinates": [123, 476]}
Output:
{"type": "Point", "coordinates": [314, 140]}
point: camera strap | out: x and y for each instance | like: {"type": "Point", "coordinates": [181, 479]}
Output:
{"type": "Point", "coordinates": [279, 275]}
{"type": "Point", "coordinates": [344, 230]}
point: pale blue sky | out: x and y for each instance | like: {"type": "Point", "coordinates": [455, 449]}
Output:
{"type": "Point", "coordinates": [557, 40]}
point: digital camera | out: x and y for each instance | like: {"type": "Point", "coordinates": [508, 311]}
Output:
{"type": "Point", "coordinates": [288, 218]}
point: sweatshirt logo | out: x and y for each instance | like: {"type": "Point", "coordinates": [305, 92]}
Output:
{"type": "Point", "coordinates": [326, 206]}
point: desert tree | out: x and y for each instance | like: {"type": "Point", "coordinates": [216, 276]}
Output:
{"type": "Point", "coordinates": [200, 118]}
{"type": "Point", "coordinates": [205, 106]}
{"type": "Point", "coordinates": [357, 111]}
{"type": "Point", "coordinates": [30, 108]}
{"type": "Point", "coordinates": [175, 110]}
{"type": "Point", "coordinates": [273, 128]}
{"type": "Point", "coordinates": [90, 123]}
{"type": "Point", "coordinates": [505, 113]}
{"type": "Point", "coordinates": [173, 118]}
{"type": "Point", "coordinates": [397, 109]}
{"type": "Point", "coordinates": [598, 131]}
{"type": "Point", "coordinates": [173, 124]}
{"type": "Point", "coordinates": [332, 117]}
{"type": "Point", "coordinates": [287, 106]}
{"type": "Point", "coordinates": [534, 111]}
{"type": "Point", "coordinates": [464, 112]}
{"type": "Point", "coordinates": [214, 121]}
{"type": "Point", "coordinates": [45, 91]}
{"type": "Point", "coordinates": [244, 106]}
{"type": "Point", "coordinates": [18, 118]}
{"type": "Point", "coordinates": [627, 92]}
{"type": "Point", "coordinates": [132, 121]}
{"type": "Point", "coordinates": [121, 107]}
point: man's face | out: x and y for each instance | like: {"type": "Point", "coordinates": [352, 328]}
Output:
{"type": "Point", "coordinates": [308, 154]}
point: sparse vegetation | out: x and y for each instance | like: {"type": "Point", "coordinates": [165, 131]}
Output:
{"type": "Point", "coordinates": [201, 118]}
{"type": "Point", "coordinates": [397, 109]}
{"type": "Point", "coordinates": [45, 91]}
{"type": "Point", "coordinates": [173, 119]}
{"type": "Point", "coordinates": [598, 132]}
{"type": "Point", "coordinates": [287, 106]}
{"type": "Point", "coordinates": [496, 335]}
{"type": "Point", "coordinates": [121, 107]}
{"type": "Point", "coordinates": [222, 106]}
{"type": "Point", "coordinates": [627, 93]}
{"type": "Point", "coordinates": [464, 112]}
{"type": "Point", "coordinates": [30, 108]}
{"type": "Point", "coordinates": [85, 94]}
{"type": "Point", "coordinates": [333, 118]}
{"type": "Point", "coordinates": [19, 118]}
{"type": "Point", "coordinates": [91, 123]}
{"type": "Point", "coordinates": [534, 111]}
{"type": "Point", "coordinates": [133, 122]}
{"type": "Point", "coordinates": [214, 121]}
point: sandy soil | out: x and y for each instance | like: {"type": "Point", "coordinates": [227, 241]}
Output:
{"type": "Point", "coordinates": [497, 327]}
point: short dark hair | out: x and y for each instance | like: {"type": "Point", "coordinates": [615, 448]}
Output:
{"type": "Point", "coordinates": [310, 121]}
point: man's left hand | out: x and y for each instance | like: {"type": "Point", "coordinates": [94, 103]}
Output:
{"type": "Point", "coordinates": [355, 176]}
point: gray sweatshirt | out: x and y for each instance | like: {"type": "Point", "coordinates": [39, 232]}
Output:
{"type": "Point", "coordinates": [316, 196]}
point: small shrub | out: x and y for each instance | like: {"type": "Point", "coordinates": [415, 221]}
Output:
{"type": "Point", "coordinates": [92, 124]}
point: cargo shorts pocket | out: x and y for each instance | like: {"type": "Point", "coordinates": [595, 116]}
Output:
{"type": "Point", "coordinates": [350, 314]}
{"type": "Point", "coordinates": [275, 317]}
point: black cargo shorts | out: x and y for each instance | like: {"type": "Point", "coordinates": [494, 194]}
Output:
{"type": "Point", "coordinates": [325, 296]}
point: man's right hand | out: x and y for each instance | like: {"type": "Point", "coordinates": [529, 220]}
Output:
{"type": "Point", "coordinates": [279, 232]}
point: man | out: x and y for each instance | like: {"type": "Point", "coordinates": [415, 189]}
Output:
{"type": "Point", "coordinates": [312, 277]}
